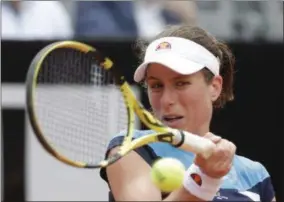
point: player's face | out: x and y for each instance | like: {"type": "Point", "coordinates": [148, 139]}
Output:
{"type": "Point", "coordinates": [182, 101]}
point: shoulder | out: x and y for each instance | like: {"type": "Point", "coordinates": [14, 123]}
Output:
{"type": "Point", "coordinates": [254, 170]}
{"type": "Point", "coordinates": [254, 178]}
{"type": "Point", "coordinates": [136, 133]}
{"type": "Point", "coordinates": [158, 149]}
{"type": "Point", "coordinates": [249, 180]}
{"type": "Point", "coordinates": [118, 138]}
{"type": "Point", "coordinates": [146, 152]}
{"type": "Point", "coordinates": [141, 133]}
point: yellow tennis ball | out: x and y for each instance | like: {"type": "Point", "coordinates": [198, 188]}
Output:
{"type": "Point", "coordinates": [167, 174]}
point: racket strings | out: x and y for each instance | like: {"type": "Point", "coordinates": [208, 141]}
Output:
{"type": "Point", "coordinates": [78, 106]}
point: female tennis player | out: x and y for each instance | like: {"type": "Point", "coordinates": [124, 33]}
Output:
{"type": "Point", "coordinates": [187, 73]}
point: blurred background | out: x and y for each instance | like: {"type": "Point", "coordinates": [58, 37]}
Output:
{"type": "Point", "coordinates": [254, 121]}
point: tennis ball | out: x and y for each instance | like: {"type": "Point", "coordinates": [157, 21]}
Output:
{"type": "Point", "coordinates": [167, 174]}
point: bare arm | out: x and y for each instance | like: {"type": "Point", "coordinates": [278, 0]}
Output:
{"type": "Point", "coordinates": [129, 179]}
{"type": "Point", "coordinates": [181, 195]}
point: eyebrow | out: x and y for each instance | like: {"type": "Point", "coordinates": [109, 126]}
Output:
{"type": "Point", "coordinates": [174, 78]}
{"type": "Point", "coordinates": [151, 77]}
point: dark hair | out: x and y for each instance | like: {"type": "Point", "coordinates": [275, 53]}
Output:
{"type": "Point", "coordinates": [217, 48]}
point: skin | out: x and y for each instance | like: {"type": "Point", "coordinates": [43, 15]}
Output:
{"type": "Point", "coordinates": [171, 94]}
{"type": "Point", "coordinates": [189, 96]}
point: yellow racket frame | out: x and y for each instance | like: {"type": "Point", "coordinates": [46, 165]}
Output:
{"type": "Point", "coordinates": [132, 105]}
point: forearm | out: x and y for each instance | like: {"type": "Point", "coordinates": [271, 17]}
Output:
{"type": "Point", "coordinates": [182, 195]}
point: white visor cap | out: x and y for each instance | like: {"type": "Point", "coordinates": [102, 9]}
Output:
{"type": "Point", "coordinates": [181, 55]}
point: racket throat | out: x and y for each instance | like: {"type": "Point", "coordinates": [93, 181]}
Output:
{"type": "Point", "coordinates": [176, 138]}
{"type": "Point", "coordinates": [166, 137]}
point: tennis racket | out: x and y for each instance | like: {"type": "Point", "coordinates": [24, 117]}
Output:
{"type": "Point", "coordinates": [78, 100]}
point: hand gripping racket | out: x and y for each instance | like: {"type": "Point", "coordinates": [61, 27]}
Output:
{"type": "Point", "coordinates": [77, 100]}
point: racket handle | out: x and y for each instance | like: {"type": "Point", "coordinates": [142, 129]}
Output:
{"type": "Point", "coordinates": [193, 143]}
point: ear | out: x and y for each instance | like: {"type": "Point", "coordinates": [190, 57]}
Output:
{"type": "Point", "coordinates": [215, 87]}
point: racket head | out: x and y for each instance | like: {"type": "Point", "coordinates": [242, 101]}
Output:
{"type": "Point", "coordinates": [88, 57]}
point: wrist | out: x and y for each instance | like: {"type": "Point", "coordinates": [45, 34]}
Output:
{"type": "Point", "coordinates": [201, 185]}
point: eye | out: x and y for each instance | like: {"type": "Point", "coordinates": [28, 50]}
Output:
{"type": "Point", "coordinates": [182, 83]}
{"type": "Point", "coordinates": [155, 85]}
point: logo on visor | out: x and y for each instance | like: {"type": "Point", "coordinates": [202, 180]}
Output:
{"type": "Point", "coordinates": [163, 45]}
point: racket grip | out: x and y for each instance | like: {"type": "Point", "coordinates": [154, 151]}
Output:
{"type": "Point", "coordinates": [194, 143]}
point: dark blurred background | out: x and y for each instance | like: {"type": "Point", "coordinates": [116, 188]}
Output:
{"type": "Point", "coordinates": [253, 121]}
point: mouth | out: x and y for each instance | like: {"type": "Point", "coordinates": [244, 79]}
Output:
{"type": "Point", "coordinates": [172, 120]}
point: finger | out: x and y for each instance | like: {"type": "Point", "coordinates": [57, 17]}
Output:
{"type": "Point", "coordinates": [216, 139]}
{"type": "Point", "coordinates": [233, 147]}
{"type": "Point", "coordinates": [226, 149]}
{"type": "Point", "coordinates": [225, 167]}
{"type": "Point", "coordinates": [199, 159]}
{"type": "Point", "coordinates": [212, 137]}
{"type": "Point", "coordinates": [220, 163]}
{"type": "Point", "coordinates": [225, 154]}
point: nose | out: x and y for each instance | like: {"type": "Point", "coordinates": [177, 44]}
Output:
{"type": "Point", "coordinates": [168, 97]}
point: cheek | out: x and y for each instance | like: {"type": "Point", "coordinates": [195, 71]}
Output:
{"type": "Point", "coordinates": [154, 101]}
{"type": "Point", "coordinates": [196, 99]}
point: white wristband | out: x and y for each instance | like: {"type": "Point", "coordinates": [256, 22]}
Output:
{"type": "Point", "coordinates": [201, 185]}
